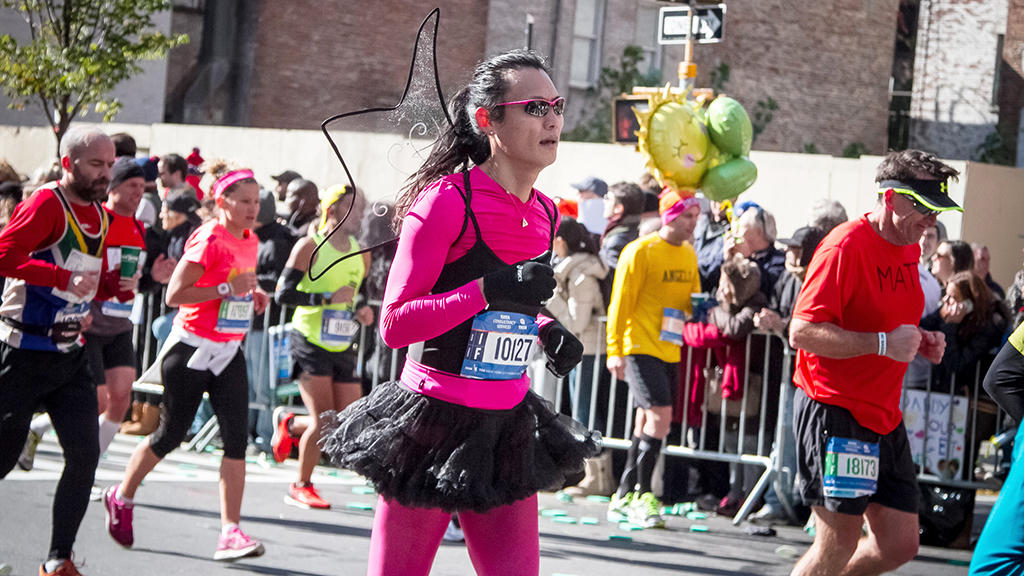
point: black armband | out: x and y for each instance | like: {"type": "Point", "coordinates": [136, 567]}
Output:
{"type": "Point", "coordinates": [288, 293]}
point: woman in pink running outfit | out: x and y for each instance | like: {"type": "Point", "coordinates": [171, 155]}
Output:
{"type": "Point", "coordinates": [460, 431]}
{"type": "Point", "coordinates": [214, 285]}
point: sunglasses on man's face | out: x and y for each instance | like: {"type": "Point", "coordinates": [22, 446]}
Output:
{"type": "Point", "coordinates": [921, 208]}
{"type": "Point", "coordinates": [539, 107]}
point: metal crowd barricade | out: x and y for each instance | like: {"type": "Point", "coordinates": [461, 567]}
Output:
{"type": "Point", "coordinates": [768, 450]}
{"type": "Point", "coordinates": [698, 448]}
{"type": "Point", "coordinates": [937, 432]}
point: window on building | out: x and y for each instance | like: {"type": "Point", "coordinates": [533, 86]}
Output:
{"type": "Point", "coordinates": [646, 37]}
{"type": "Point", "coordinates": [586, 43]}
{"type": "Point", "coordinates": [998, 73]}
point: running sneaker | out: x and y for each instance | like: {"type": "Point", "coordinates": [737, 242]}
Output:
{"type": "Point", "coordinates": [618, 508]}
{"type": "Point", "coordinates": [28, 453]}
{"type": "Point", "coordinates": [645, 511]}
{"type": "Point", "coordinates": [67, 568]}
{"type": "Point", "coordinates": [237, 544]}
{"type": "Point", "coordinates": [283, 441]}
{"type": "Point", "coordinates": [119, 518]}
{"type": "Point", "coordinates": [305, 496]}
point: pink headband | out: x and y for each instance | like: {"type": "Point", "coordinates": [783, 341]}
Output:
{"type": "Point", "coordinates": [678, 208]}
{"type": "Point", "coordinates": [227, 180]}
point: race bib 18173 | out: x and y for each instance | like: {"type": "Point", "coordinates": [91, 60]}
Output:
{"type": "Point", "coordinates": [851, 468]}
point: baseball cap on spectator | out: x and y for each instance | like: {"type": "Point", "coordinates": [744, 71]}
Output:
{"type": "Point", "coordinates": [149, 168]}
{"type": "Point", "coordinates": [11, 189]}
{"type": "Point", "coordinates": [592, 183]}
{"type": "Point", "coordinates": [181, 201]}
{"type": "Point", "coordinates": [125, 168]}
{"type": "Point", "coordinates": [807, 238]}
{"type": "Point", "coordinates": [287, 176]}
{"type": "Point", "coordinates": [268, 207]}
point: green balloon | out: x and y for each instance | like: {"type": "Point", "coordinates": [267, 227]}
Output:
{"type": "Point", "coordinates": [727, 180]}
{"type": "Point", "coordinates": [729, 126]}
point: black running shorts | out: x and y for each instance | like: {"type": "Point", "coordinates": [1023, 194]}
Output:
{"type": "Point", "coordinates": [815, 422]}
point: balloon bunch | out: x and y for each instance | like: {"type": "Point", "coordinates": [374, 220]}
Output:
{"type": "Point", "coordinates": [689, 148]}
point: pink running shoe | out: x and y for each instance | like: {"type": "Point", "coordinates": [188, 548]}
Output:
{"type": "Point", "coordinates": [237, 544]}
{"type": "Point", "coordinates": [119, 518]}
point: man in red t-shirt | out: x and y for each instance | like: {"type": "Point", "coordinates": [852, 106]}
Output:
{"type": "Point", "coordinates": [855, 329]}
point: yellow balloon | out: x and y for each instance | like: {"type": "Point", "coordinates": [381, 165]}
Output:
{"type": "Point", "coordinates": [678, 145]}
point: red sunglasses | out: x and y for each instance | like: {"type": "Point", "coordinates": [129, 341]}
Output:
{"type": "Point", "coordinates": [539, 107]}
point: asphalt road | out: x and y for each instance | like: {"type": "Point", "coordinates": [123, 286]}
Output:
{"type": "Point", "coordinates": [177, 522]}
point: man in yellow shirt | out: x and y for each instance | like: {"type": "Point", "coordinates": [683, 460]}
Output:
{"type": "Point", "coordinates": [650, 301]}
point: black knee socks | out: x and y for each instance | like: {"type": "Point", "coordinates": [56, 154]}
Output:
{"type": "Point", "coordinates": [647, 457]}
{"type": "Point", "coordinates": [628, 480]}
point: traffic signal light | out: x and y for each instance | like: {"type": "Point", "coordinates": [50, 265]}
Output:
{"type": "Point", "coordinates": [624, 122]}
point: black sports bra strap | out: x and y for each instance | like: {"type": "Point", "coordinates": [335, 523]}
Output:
{"type": "Point", "coordinates": [469, 209]}
{"type": "Point", "coordinates": [552, 218]}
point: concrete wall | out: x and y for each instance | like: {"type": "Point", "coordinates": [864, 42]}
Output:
{"type": "Point", "coordinates": [787, 184]}
{"type": "Point", "coordinates": [995, 204]}
{"type": "Point", "coordinates": [142, 96]}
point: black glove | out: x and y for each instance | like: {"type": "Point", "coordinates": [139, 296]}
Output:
{"type": "Point", "coordinates": [529, 282]}
{"type": "Point", "coordinates": [563, 350]}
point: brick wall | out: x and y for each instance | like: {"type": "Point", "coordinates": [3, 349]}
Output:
{"type": "Point", "coordinates": [313, 62]}
{"type": "Point", "coordinates": [1011, 88]}
{"type": "Point", "coordinates": [826, 64]}
{"type": "Point", "coordinates": [952, 107]}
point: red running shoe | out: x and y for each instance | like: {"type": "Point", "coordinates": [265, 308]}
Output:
{"type": "Point", "coordinates": [283, 441]}
{"type": "Point", "coordinates": [305, 496]}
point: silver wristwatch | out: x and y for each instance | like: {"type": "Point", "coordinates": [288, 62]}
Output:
{"type": "Point", "coordinates": [224, 289]}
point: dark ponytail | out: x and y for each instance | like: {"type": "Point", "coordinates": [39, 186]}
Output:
{"type": "Point", "coordinates": [464, 142]}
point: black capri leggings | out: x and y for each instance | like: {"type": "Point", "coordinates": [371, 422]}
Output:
{"type": "Point", "coordinates": [183, 391]}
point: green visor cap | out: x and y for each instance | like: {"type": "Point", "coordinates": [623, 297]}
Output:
{"type": "Point", "coordinates": [933, 194]}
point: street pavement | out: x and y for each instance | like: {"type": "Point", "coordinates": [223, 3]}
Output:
{"type": "Point", "coordinates": [177, 523]}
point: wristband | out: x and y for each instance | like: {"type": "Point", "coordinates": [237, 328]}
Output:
{"type": "Point", "coordinates": [881, 344]}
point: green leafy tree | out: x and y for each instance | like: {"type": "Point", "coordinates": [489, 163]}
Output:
{"type": "Point", "coordinates": [78, 52]}
{"type": "Point", "coordinates": [597, 126]}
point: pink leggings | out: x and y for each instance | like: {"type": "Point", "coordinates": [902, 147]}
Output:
{"type": "Point", "coordinates": [500, 541]}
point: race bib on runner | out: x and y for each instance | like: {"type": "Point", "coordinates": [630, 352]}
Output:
{"type": "Point", "coordinates": [499, 346]}
{"type": "Point", "coordinates": [337, 327]}
{"type": "Point", "coordinates": [117, 309]}
{"type": "Point", "coordinates": [235, 315]}
{"type": "Point", "coordinates": [851, 468]}
{"type": "Point", "coordinates": [672, 321]}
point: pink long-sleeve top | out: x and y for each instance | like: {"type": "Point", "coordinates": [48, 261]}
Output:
{"type": "Point", "coordinates": [411, 313]}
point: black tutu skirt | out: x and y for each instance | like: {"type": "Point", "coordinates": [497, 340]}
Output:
{"type": "Point", "coordinates": [427, 453]}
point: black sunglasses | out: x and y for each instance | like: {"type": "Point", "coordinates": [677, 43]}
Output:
{"type": "Point", "coordinates": [921, 208]}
